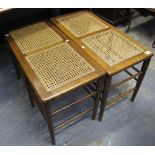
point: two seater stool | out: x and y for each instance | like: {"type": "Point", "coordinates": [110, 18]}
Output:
{"type": "Point", "coordinates": [113, 50]}
{"type": "Point", "coordinates": [52, 65]}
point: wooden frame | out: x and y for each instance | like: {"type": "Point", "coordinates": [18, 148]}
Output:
{"type": "Point", "coordinates": [110, 70]}
{"type": "Point", "coordinates": [42, 93]}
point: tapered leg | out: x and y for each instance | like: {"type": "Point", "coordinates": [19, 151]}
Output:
{"type": "Point", "coordinates": [140, 78]}
{"type": "Point", "coordinates": [50, 122]}
{"type": "Point", "coordinates": [29, 91]}
{"type": "Point", "coordinates": [107, 83]}
{"type": "Point", "coordinates": [97, 96]}
{"type": "Point", "coordinates": [16, 67]}
{"type": "Point", "coordinates": [17, 71]}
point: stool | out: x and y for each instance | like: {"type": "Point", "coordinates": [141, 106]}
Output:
{"type": "Point", "coordinates": [52, 66]}
{"type": "Point", "coordinates": [113, 50]}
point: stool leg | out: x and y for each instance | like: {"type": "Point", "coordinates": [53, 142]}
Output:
{"type": "Point", "coordinates": [97, 96]}
{"type": "Point", "coordinates": [107, 83]}
{"type": "Point", "coordinates": [28, 88]}
{"type": "Point", "coordinates": [16, 68]}
{"type": "Point", "coordinates": [140, 78]}
{"type": "Point", "coordinates": [50, 122]}
{"type": "Point", "coordinates": [15, 64]}
{"type": "Point", "coordinates": [17, 71]}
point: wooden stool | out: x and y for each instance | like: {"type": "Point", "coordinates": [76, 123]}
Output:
{"type": "Point", "coordinates": [113, 50]}
{"type": "Point", "coordinates": [53, 66]}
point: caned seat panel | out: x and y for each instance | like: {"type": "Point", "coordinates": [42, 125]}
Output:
{"type": "Point", "coordinates": [112, 47]}
{"type": "Point", "coordinates": [81, 23]}
{"type": "Point", "coordinates": [34, 37]}
{"type": "Point", "coordinates": [58, 66]}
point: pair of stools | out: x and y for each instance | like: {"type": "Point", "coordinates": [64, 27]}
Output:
{"type": "Point", "coordinates": [72, 51]}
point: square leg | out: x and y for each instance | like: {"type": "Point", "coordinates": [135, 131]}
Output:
{"type": "Point", "coordinates": [107, 83]}
{"type": "Point", "coordinates": [15, 63]}
{"type": "Point", "coordinates": [29, 91]}
{"type": "Point", "coordinates": [49, 119]}
{"type": "Point", "coordinates": [99, 87]}
{"type": "Point", "coordinates": [140, 78]}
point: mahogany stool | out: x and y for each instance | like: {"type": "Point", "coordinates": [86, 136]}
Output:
{"type": "Point", "coordinates": [112, 49]}
{"type": "Point", "coordinates": [52, 66]}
